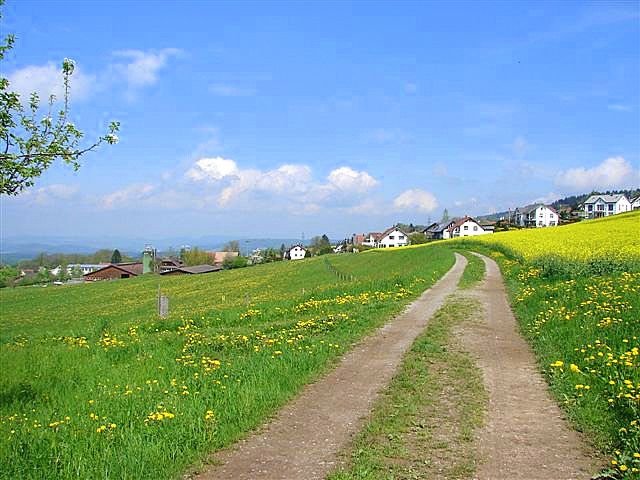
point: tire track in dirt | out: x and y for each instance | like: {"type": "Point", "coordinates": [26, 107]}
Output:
{"type": "Point", "coordinates": [306, 436]}
{"type": "Point", "coordinates": [526, 435]}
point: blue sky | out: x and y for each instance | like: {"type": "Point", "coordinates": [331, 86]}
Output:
{"type": "Point", "coordinates": [263, 119]}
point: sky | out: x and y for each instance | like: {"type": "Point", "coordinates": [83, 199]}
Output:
{"type": "Point", "coordinates": [277, 119]}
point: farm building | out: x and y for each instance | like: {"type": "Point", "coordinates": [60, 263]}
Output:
{"type": "Point", "coordinates": [537, 215]}
{"type": "Point", "coordinates": [635, 203]}
{"type": "Point", "coordinates": [297, 252]}
{"type": "Point", "coordinates": [115, 271]}
{"type": "Point", "coordinates": [169, 263]}
{"type": "Point", "coordinates": [218, 258]}
{"type": "Point", "coordinates": [194, 270]}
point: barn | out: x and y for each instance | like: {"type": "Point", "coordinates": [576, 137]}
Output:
{"type": "Point", "coordinates": [114, 271]}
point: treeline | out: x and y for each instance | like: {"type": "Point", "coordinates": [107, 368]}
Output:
{"type": "Point", "coordinates": [52, 260]}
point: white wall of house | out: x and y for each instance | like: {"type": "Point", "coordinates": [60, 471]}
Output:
{"type": "Point", "coordinates": [600, 208]}
{"type": "Point", "coordinates": [395, 238]}
{"type": "Point", "coordinates": [369, 241]}
{"type": "Point", "coordinates": [469, 228]}
{"type": "Point", "coordinates": [540, 217]}
{"type": "Point", "coordinates": [297, 253]}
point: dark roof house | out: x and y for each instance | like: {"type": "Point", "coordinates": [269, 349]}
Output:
{"type": "Point", "coordinates": [194, 270]}
{"type": "Point", "coordinates": [114, 271]}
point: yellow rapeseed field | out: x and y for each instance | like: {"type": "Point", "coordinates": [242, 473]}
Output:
{"type": "Point", "coordinates": [615, 238]}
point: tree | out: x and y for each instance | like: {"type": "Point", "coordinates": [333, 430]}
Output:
{"type": "Point", "coordinates": [31, 141]}
{"type": "Point", "coordinates": [417, 238]}
{"type": "Point", "coordinates": [116, 257]}
{"type": "Point", "coordinates": [232, 246]}
{"type": "Point", "coordinates": [195, 256]}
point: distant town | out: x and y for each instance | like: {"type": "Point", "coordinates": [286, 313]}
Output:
{"type": "Point", "coordinates": [106, 264]}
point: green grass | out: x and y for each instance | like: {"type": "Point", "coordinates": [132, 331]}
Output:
{"type": "Point", "coordinates": [592, 324]}
{"type": "Point", "coordinates": [94, 385]}
{"type": "Point", "coordinates": [473, 272]}
{"type": "Point", "coordinates": [423, 426]}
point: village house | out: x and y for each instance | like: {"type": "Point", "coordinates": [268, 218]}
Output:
{"type": "Point", "coordinates": [597, 206]}
{"type": "Point", "coordinates": [371, 239]}
{"type": "Point", "coordinates": [635, 203]}
{"type": "Point", "coordinates": [461, 227]}
{"type": "Point", "coordinates": [537, 215]}
{"type": "Point", "coordinates": [296, 252]}
{"type": "Point", "coordinates": [194, 270]}
{"type": "Point", "coordinates": [218, 258]}
{"type": "Point", "coordinates": [84, 267]}
{"type": "Point", "coordinates": [392, 237]}
{"type": "Point", "coordinates": [115, 271]}
{"type": "Point", "coordinates": [167, 264]}
{"type": "Point", "coordinates": [357, 239]}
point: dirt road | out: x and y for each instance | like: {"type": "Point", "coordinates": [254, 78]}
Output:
{"type": "Point", "coordinates": [525, 435]}
{"type": "Point", "coordinates": [303, 441]}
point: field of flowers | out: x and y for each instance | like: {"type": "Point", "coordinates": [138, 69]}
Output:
{"type": "Point", "coordinates": [583, 323]}
{"type": "Point", "coordinates": [608, 242]}
{"type": "Point", "coordinates": [94, 385]}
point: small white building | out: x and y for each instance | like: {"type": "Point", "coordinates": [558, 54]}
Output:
{"type": "Point", "coordinates": [597, 206]}
{"type": "Point", "coordinates": [466, 227]}
{"type": "Point", "coordinates": [461, 227]}
{"type": "Point", "coordinates": [635, 203]}
{"type": "Point", "coordinates": [537, 215]}
{"type": "Point", "coordinates": [392, 237]}
{"type": "Point", "coordinates": [85, 267]}
{"type": "Point", "coordinates": [371, 239]}
{"type": "Point", "coordinates": [297, 252]}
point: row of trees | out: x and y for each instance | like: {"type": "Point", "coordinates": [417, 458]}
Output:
{"type": "Point", "coordinates": [52, 260]}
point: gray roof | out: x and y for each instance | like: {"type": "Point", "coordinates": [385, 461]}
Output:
{"type": "Point", "coordinates": [529, 208]}
{"type": "Point", "coordinates": [605, 198]}
{"type": "Point", "coordinates": [194, 269]}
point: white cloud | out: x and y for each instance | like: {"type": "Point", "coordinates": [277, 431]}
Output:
{"type": "Point", "coordinates": [410, 87]}
{"type": "Point", "coordinates": [614, 172]}
{"type": "Point", "coordinates": [349, 180]}
{"type": "Point", "coordinates": [126, 195]}
{"type": "Point", "coordinates": [49, 194]}
{"type": "Point", "coordinates": [619, 107]}
{"type": "Point", "coordinates": [225, 90]}
{"type": "Point", "coordinates": [212, 169]}
{"type": "Point", "coordinates": [143, 67]}
{"type": "Point", "coordinates": [287, 182]}
{"type": "Point", "coordinates": [416, 199]}
{"type": "Point", "coordinates": [47, 80]}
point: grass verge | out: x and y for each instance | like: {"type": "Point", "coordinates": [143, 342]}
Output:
{"type": "Point", "coordinates": [423, 425]}
{"type": "Point", "coordinates": [474, 271]}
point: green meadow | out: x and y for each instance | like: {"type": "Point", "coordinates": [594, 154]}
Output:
{"type": "Point", "coordinates": [95, 385]}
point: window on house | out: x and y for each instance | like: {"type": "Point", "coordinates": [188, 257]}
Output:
{"type": "Point", "coordinates": [475, 228]}
{"type": "Point", "coordinates": [391, 237]}
{"type": "Point", "coordinates": [590, 208]}
{"type": "Point", "coordinates": [400, 237]}
{"type": "Point", "coordinates": [611, 207]}
{"type": "Point", "coordinates": [600, 206]}
{"type": "Point", "coordinates": [466, 227]}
